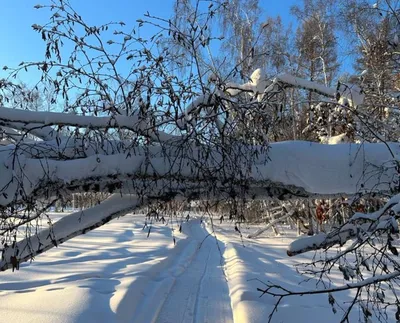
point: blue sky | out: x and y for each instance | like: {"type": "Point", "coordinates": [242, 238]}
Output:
{"type": "Point", "coordinates": [20, 43]}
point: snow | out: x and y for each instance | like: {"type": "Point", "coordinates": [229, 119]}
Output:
{"type": "Point", "coordinates": [68, 227]}
{"type": "Point", "coordinates": [98, 277]}
{"type": "Point", "coordinates": [352, 94]}
{"type": "Point", "coordinates": [250, 263]}
{"type": "Point", "coordinates": [257, 85]}
{"type": "Point", "coordinates": [210, 274]}
{"type": "Point", "coordinates": [44, 120]}
{"type": "Point", "coordinates": [309, 168]}
{"type": "Point", "coordinates": [334, 140]}
{"type": "Point", "coordinates": [117, 274]}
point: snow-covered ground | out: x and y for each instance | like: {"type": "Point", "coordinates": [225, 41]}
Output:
{"type": "Point", "coordinates": [118, 274]}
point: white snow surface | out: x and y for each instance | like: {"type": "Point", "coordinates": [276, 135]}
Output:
{"type": "Point", "coordinates": [331, 169]}
{"type": "Point", "coordinates": [334, 140]}
{"type": "Point", "coordinates": [118, 274]}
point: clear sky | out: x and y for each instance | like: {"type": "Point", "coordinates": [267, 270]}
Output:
{"type": "Point", "coordinates": [20, 43]}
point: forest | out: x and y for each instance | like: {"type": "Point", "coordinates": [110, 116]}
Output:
{"type": "Point", "coordinates": [226, 117]}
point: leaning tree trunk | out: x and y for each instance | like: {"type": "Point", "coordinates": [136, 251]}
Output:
{"type": "Point", "coordinates": [68, 227]}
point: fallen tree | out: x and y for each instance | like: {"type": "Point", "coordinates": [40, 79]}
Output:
{"type": "Point", "coordinates": [114, 139]}
{"type": "Point", "coordinates": [146, 135]}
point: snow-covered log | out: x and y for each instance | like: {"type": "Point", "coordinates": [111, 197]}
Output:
{"type": "Point", "coordinates": [302, 169]}
{"type": "Point", "coordinates": [268, 226]}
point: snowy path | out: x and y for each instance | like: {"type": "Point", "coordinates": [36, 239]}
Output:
{"type": "Point", "coordinates": [200, 293]}
{"type": "Point", "coordinates": [116, 274]}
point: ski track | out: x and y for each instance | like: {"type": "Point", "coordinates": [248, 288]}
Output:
{"type": "Point", "coordinates": [197, 293]}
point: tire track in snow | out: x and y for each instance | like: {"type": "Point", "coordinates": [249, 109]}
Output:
{"type": "Point", "coordinates": [200, 293]}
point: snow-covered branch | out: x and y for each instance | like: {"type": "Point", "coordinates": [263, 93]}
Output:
{"type": "Point", "coordinates": [259, 85]}
{"type": "Point", "coordinates": [279, 291]}
{"type": "Point", "coordinates": [66, 119]}
{"type": "Point", "coordinates": [66, 228]}
{"type": "Point", "coordinates": [359, 226]}
{"type": "Point", "coordinates": [268, 226]}
{"type": "Point", "coordinates": [352, 93]}
{"type": "Point", "coordinates": [41, 122]}
{"type": "Point", "coordinates": [302, 168]}
{"type": "Point", "coordinates": [38, 130]}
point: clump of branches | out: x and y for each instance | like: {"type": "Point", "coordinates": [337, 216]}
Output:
{"type": "Point", "coordinates": [364, 252]}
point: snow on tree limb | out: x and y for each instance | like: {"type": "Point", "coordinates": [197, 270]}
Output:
{"type": "Point", "coordinates": [259, 85]}
{"type": "Point", "coordinates": [309, 168]}
{"type": "Point", "coordinates": [358, 225]}
{"type": "Point", "coordinates": [35, 129]}
{"type": "Point", "coordinates": [13, 134]}
{"type": "Point", "coordinates": [194, 107]}
{"type": "Point", "coordinates": [268, 226]}
{"type": "Point", "coordinates": [305, 84]}
{"type": "Point", "coordinates": [66, 228]}
{"type": "Point", "coordinates": [279, 291]}
{"type": "Point", "coordinates": [58, 118]}
{"type": "Point", "coordinates": [42, 120]}
{"type": "Point", "coordinates": [351, 92]}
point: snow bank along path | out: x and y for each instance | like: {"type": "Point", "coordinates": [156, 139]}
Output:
{"type": "Point", "coordinates": [249, 262]}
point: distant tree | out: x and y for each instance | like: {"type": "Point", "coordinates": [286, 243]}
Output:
{"type": "Point", "coordinates": [375, 29]}
{"type": "Point", "coordinates": [240, 21]}
{"type": "Point", "coordinates": [274, 42]}
{"type": "Point", "coordinates": [316, 41]}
